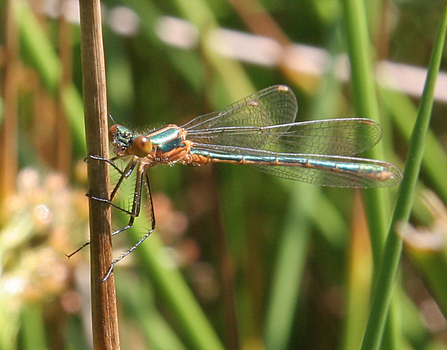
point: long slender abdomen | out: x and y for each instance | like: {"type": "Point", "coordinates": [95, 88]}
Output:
{"type": "Point", "coordinates": [372, 171]}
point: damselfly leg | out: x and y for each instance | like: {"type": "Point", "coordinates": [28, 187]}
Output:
{"type": "Point", "coordinates": [142, 178]}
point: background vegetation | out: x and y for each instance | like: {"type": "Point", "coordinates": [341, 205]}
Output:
{"type": "Point", "coordinates": [239, 259]}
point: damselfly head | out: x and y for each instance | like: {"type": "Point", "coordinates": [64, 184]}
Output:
{"type": "Point", "coordinates": [112, 131]}
{"type": "Point", "coordinates": [120, 135]}
{"type": "Point", "coordinates": [121, 138]}
{"type": "Point", "coordinates": [127, 143]}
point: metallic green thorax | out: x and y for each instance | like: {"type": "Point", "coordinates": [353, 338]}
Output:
{"type": "Point", "coordinates": [167, 138]}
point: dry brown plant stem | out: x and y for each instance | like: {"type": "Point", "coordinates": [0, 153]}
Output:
{"type": "Point", "coordinates": [104, 311]}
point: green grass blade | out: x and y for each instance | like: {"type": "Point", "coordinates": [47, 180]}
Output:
{"type": "Point", "coordinates": [172, 287]}
{"type": "Point", "coordinates": [33, 327]}
{"type": "Point", "coordinates": [230, 73]}
{"type": "Point", "coordinates": [365, 101]}
{"type": "Point", "coordinates": [393, 248]}
{"type": "Point", "coordinates": [435, 158]}
{"type": "Point", "coordinates": [366, 105]}
{"type": "Point", "coordinates": [38, 48]}
{"type": "Point", "coordinates": [288, 272]}
{"type": "Point", "coordinates": [40, 54]}
{"type": "Point", "coordinates": [140, 303]}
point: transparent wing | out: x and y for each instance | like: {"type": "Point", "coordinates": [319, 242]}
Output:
{"type": "Point", "coordinates": [265, 120]}
{"type": "Point", "coordinates": [332, 136]}
{"type": "Point", "coordinates": [271, 106]}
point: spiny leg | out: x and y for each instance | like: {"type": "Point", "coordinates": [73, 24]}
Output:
{"type": "Point", "coordinates": [124, 175]}
{"type": "Point", "coordinates": [110, 161]}
{"type": "Point", "coordinates": [149, 195]}
{"type": "Point", "coordinates": [151, 206]}
{"type": "Point", "coordinates": [136, 205]}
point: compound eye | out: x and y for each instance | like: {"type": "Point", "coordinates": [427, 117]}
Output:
{"type": "Point", "coordinates": [141, 146]}
{"type": "Point", "coordinates": [112, 131]}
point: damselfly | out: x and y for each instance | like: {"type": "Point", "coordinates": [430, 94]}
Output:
{"type": "Point", "coordinates": [259, 130]}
